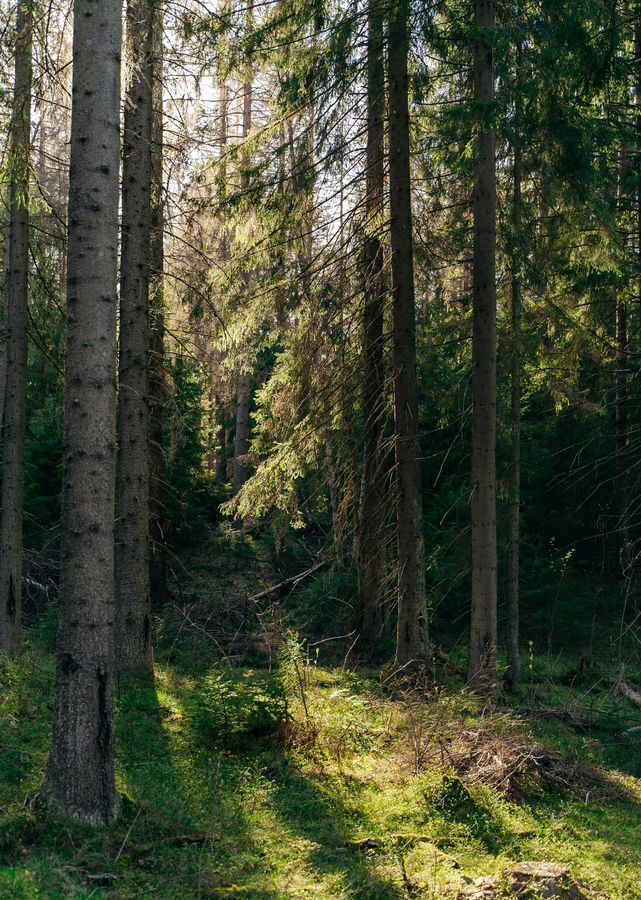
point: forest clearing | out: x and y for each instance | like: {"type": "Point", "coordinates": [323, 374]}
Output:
{"type": "Point", "coordinates": [320, 510]}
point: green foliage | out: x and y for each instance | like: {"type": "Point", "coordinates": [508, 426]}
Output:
{"type": "Point", "coordinates": [327, 604]}
{"type": "Point", "coordinates": [43, 464]}
{"type": "Point", "coordinates": [192, 496]}
{"type": "Point", "coordinates": [333, 818]}
{"type": "Point", "coordinates": [233, 710]}
{"type": "Point", "coordinates": [459, 805]}
{"type": "Point", "coordinates": [327, 713]}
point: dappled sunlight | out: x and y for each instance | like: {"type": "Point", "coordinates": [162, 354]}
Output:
{"type": "Point", "coordinates": [347, 796]}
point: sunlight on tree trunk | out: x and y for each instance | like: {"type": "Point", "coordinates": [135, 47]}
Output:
{"type": "Point", "coordinates": [411, 638]}
{"type": "Point", "coordinates": [80, 778]}
{"type": "Point", "coordinates": [483, 661]}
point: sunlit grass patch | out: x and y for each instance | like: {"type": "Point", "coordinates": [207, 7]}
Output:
{"type": "Point", "coordinates": [306, 781]}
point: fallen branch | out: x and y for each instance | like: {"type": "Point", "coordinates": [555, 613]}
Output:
{"type": "Point", "coordinates": [625, 689]}
{"type": "Point", "coordinates": [293, 581]}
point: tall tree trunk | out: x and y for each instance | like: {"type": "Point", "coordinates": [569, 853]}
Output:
{"type": "Point", "coordinates": [133, 614]}
{"type": "Point", "coordinates": [411, 639]}
{"type": "Point", "coordinates": [4, 237]}
{"type": "Point", "coordinates": [483, 657]}
{"type": "Point", "coordinates": [220, 392]}
{"type": "Point", "coordinates": [513, 672]}
{"type": "Point", "coordinates": [241, 440]}
{"type": "Point", "coordinates": [15, 410]}
{"type": "Point", "coordinates": [240, 469]}
{"type": "Point", "coordinates": [634, 552]}
{"type": "Point", "coordinates": [157, 544]}
{"type": "Point", "coordinates": [622, 498]}
{"type": "Point", "coordinates": [80, 773]}
{"type": "Point", "coordinates": [372, 542]}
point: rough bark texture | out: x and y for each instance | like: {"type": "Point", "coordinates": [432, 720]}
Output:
{"type": "Point", "coordinates": [14, 423]}
{"type": "Point", "coordinates": [4, 238]}
{"type": "Point", "coordinates": [157, 543]}
{"type": "Point", "coordinates": [133, 622]}
{"type": "Point", "coordinates": [622, 498]}
{"type": "Point", "coordinates": [221, 411]}
{"type": "Point", "coordinates": [411, 641]}
{"type": "Point", "coordinates": [634, 549]}
{"type": "Point", "coordinates": [513, 672]}
{"type": "Point", "coordinates": [240, 469]}
{"type": "Point", "coordinates": [483, 661]}
{"type": "Point", "coordinates": [80, 773]}
{"type": "Point", "coordinates": [372, 543]}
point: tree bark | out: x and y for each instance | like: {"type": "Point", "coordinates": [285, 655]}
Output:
{"type": "Point", "coordinates": [623, 688]}
{"type": "Point", "coordinates": [483, 656]}
{"type": "Point", "coordinates": [240, 469]}
{"type": "Point", "coordinates": [15, 396]}
{"type": "Point", "coordinates": [513, 672]}
{"type": "Point", "coordinates": [133, 613]}
{"type": "Point", "coordinates": [372, 543]}
{"type": "Point", "coordinates": [622, 498]}
{"type": "Point", "coordinates": [221, 411]}
{"type": "Point", "coordinates": [157, 383]}
{"type": "Point", "coordinates": [80, 773]}
{"type": "Point", "coordinates": [4, 235]}
{"type": "Point", "coordinates": [411, 638]}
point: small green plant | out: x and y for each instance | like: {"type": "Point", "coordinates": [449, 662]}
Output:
{"type": "Point", "coordinates": [330, 725]}
{"type": "Point", "coordinates": [232, 710]}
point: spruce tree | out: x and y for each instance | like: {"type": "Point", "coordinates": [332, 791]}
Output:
{"type": "Point", "coordinates": [17, 291]}
{"type": "Point", "coordinates": [80, 777]}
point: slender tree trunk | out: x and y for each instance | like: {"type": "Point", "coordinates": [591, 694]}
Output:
{"type": "Point", "coordinates": [621, 427]}
{"type": "Point", "coordinates": [622, 498]}
{"type": "Point", "coordinates": [157, 544]}
{"type": "Point", "coordinates": [4, 234]}
{"type": "Point", "coordinates": [15, 411]}
{"type": "Point", "coordinates": [483, 658]}
{"type": "Point", "coordinates": [333, 483]}
{"type": "Point", "coordinates": [241, 441]}
{"type": "Point", "coordinates": [634, 555]}
{"type": "Point", "coordinates": [240, 470]}
{"type": "Point", "coordinates": [411, 639]}
{"type": "Point", "coordinates": [80, 774]}
{"type": "Point", "coordinates": [372, 539]}
{"type": "Point", "coordinates": [221, 411]}
{"type": "Point", "coordinates": [133, 628]}
{"type": "Point", "coordinates": [221, 437]}
{"type": "Point", "coordinates": [513, 672]}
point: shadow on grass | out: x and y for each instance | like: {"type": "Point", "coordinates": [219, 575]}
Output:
{"type": "Point", "coordinates": [323, 824]}
{"type": "Point", "coordinates": [264, 830]}
{"type": "Point", "coordinates": [188, 833]}
{"type": "Point", "coordinates": [182, 831]}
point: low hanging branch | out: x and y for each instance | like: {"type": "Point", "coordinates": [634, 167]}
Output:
{"type": "Point", "coordinates": [293, 582]}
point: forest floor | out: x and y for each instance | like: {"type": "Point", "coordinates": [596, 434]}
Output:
{"type": "Point", "coordinates": [293, 776]}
